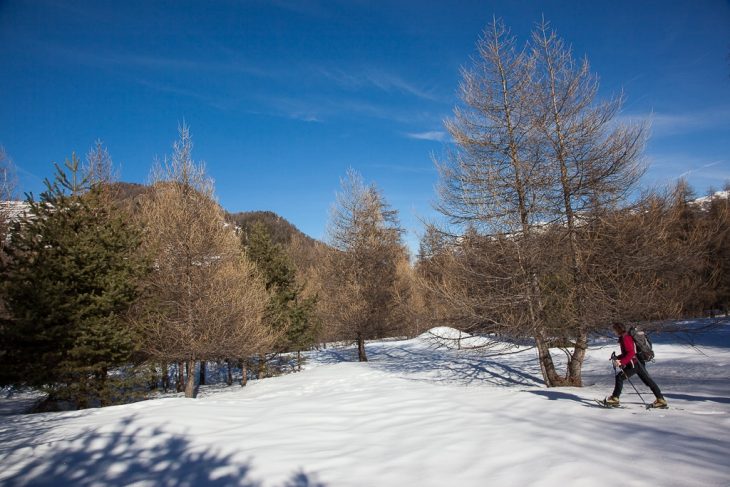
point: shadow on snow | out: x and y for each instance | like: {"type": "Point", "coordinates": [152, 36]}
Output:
{"type": "Point", "coordinates": [440, 364]}
{"type": "Point", "coordinates": [127, 454]}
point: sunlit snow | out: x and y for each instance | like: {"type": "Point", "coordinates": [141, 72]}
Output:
{"type": "Point", "coordinates": [421, 412]}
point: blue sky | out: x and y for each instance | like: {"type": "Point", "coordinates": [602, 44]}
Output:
{"type": "Point", "coordinates": [283, 96]}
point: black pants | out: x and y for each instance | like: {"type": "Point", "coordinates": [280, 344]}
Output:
{"type": "Point", "coordinates": [629, 371]}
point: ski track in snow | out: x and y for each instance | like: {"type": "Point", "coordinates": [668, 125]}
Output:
{"type": "Point", "coordinates": [418, 413]}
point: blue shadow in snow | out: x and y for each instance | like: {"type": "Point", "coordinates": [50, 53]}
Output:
{"type": "Point", "coordinates": [453, 366]}
{"type": "Point", "coordinates": [129, 454]}
{"type": "Point", "coordinates": [687, 397]}
{"type": "Point", "coordinates": [553, 395]}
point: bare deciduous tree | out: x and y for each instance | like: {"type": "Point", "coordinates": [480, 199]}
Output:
{"type": "Point", "coordinates": [644, 262]}
{"type": "Point", "coordinates": [360, 280]}
{"type": "Point", "coordinates": [594, 162]}
{"type": "Point", "coordinates": [98, 167]}
{"type": "Point", "coordinates": [8, 186]}
{"type": "Point", "coordinates": [717, 217]}
{"type": "Point", "coordinates": [495, 183]}
{"type": "Point", "coordinates": [8, 177]}
{"type": "Point", "coordinates": [536, 157]}
{"type": "Point", "coordinates": [206, 299]}
{"type": "Point", "coordinates": [493, 180]}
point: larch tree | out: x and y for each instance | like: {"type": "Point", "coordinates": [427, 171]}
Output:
{"type": "Point", "coordinates": [99, 167]}
{"type": "Point", "coordinates": [8, 186]}
{"type": "Point", "coordinates": [594, 163]}
{"type": "Point", "coordinates": [718, 265]}
{"type": "Point", "coordinates": [536, 156]}
{"type": "Point", "coordinates": [206, 300]}
{"type": "Point", "coordinates": [7, 193]}
{"type": "Point", "coordinates": [8, 178]}
{"type": "Point", "coordinates": [360, 281]}
{"type": "Point", "coordinates": [493, 187]}
{"type": "Point", "coordinates": [647, 262]}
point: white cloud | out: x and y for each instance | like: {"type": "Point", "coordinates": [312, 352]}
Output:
{"type": "Point", "coordinates": [434, 135]}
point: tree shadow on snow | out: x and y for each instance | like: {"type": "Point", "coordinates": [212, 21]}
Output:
{"type": "Point", "coordinates": [454, 366]}
{"type": "Point", "coordinates": [126, 454]}
{"type": "Point", "coordinates": [687, 397]}
{"type": "Point", "coordinates": [553, 395]}
{"type": "Point", "coordinates": [336, 355]}
{"type": "Point", "coordinates": [706, 332]}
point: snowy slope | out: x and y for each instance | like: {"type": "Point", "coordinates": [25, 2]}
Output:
{"type": "Point", "coordinates": [418, 413]}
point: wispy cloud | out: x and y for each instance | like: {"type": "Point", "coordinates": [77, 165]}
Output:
{"type": "Point", "coordinates": [664, 124]}
{"type": "Point", "coordinates": [700, 173]}
{"type": "Point", "coordinates": [357, 79]}
{"type": "Point", "coordinates": [433, 135]}
{"type": "Point", "coordinates": [174, 90]}
{"type": "Point", "coordinates": [322, 107]}
{"type": "Point", "coordinates": [702, 168]}
{"type": "Point", "coordinates": [393, 82]}
{"type": "Point", "coordinates": [301, 109]}
{"type": "Point", "coordinates": [221, 61]}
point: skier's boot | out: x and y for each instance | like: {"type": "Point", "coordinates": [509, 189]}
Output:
{"type": "Point", "coordinates": [611, 401]}
{"type": "Point", "coordinates": [660, 403]}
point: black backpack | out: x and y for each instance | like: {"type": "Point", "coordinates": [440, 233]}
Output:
{"type": "Point", "coordinates": [643, 344]}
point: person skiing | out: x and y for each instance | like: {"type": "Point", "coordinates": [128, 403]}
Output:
{"type": "Point", "coordinates": [630, 364]}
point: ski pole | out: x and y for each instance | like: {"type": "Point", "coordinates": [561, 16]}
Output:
{"type": "Point", "coordinates": [637, 391]}
{"type": "Point", "coordinates": [613, 358]}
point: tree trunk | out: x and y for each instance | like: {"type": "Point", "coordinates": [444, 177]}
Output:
{"type": "Point", "coordinates": [165, 377]}
{"type": "Point", "coordinates": [573, 377]}
{"type": "Point", "coordinates": [244, 373]}
{"type": "Point", "coordinates": [190, 385]}
{"type": "Point", "coordinates": [180, 386]}
{"type": "Point", "coordinates": [103, 393]}
{"type": "Point", "coordinates": [261, 372]}
{"type": "Point", "coordinates": [361, 356]}
{"type": "Point", "coordinates": [547, 366]}
{"type": "Point", "coordinates": [546, 362]}
{"type": "Point", "coordinates": [201, 381]}
{"type": "Point", "coordinates": [153, 379]}
{"type": "Point", "coordinates": [575, 365]}
{"type": "Point", "coordinates": [229, 375]}
{"type": "Point", "coordinates": [299, 360]}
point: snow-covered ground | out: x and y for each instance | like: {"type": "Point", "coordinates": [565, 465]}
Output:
{"type": "Point", "coordinates": [417, 414]}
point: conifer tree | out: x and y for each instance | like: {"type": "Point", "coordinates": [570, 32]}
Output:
{"type": "Point", "coordinates": [205, 297]}
{"type": "Point", "coordinates": [361, 277]}
{"type": "Point", "coordinates": [535, 150]}
{"type": "Point", "coordinates": [72, 273]}
{"type": "Point", "coordinates": [287, 313]}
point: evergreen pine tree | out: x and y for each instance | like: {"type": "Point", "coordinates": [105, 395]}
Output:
{"type": "Point", "coordinates": [71, 275]}
{"type": "Point", "coordinates": [286, 311]}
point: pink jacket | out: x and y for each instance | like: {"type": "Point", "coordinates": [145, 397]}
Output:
{"type": "Point", "coordinates": [628, 350]}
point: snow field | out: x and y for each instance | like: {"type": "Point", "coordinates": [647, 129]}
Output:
{"type": "Point", "coordinates": [418, 413]}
